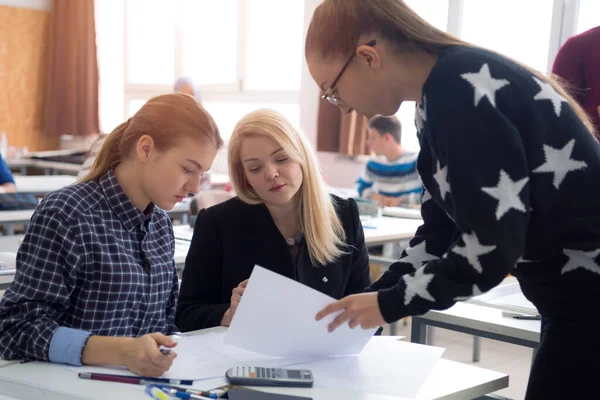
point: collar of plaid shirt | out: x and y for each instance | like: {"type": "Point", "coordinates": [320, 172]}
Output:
{"type": "Point", "coordinates": [119, 202]}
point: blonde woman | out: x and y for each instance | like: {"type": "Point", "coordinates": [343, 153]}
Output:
{"type": "Point", "coordinates": [283, 219]}
{"type": "Point", "coordinates": [95, 281]}
{"type": "Point", "coordinates": [509, 165]}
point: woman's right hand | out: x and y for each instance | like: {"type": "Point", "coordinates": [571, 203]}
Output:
{"type": "Point", "coordinates": [142, 355]}
{"type": "Point", "coordinates": [236, 297]}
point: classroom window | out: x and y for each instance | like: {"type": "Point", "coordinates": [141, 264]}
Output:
{"type": "Point", "coordinates": [209, 41]}
{"type": "Point", "coordinates": [433, 11]}
{"type": "Point", "coordinates": [516, 28]}
{"type": "Point", "coordinates": [150, 41]}
{"type": "Point", "coordinates": [436, 13]}
{"type": "Point", "coordinates": [589, 15]}
{"type": "Point", "coordinates": [239, 55]}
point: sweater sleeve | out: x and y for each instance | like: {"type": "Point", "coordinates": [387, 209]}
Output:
{"type": "Point", "coordinates": [479, 175]}
{"type": "Point", "coordinates": [430, 242]}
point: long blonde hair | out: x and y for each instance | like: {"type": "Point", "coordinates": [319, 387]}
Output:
{"type": "Point", "coordinates": [166, 119]}
{"type": "Point", "coordinates": [317, 217]}
{"type": "Point", "coordinates": [337, 26]}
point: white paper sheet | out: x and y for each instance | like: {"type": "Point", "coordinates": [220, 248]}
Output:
{"type": "Point", "coordinates": [385, 366]}
{"type": "Point", "coordinates": [204, 356]}
{"type": "Point", "coordinates": [276, 317]}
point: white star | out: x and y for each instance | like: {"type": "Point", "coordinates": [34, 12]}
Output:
{"type": "Point", "coordinates": [417, 286]}
{"type": "Point", "coordinates": [417, 255]}
{"type": "Point", "coordinates": [441, 177]}
{"type": "Point", "coordinates": [472, 250]}
{"type": "Point", "coordinates": [484, 84]}
{"type": "Point", "coordinates": [547, 92]}
{"type": "Point", "coordinates": [559, 162]}
{"type": "Point", "coordinates": [426, 196]}
{"type": "Point", "coordinates": [507, 192]}
{"type": "Point", "coordinates": [476, 292]}
{"type": "Point", "coordinates": [581, 259]}
{"type": "Point", "coordinates": [424, 113]}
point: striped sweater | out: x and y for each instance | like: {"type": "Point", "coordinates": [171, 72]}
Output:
{"type": "Point", "coordinates": [398, 178]}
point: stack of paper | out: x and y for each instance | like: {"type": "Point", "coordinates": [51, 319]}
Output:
{"type": "Point", "coordinates": [402, 212]}
{"type": "Point", "coordinates": [275, 326]}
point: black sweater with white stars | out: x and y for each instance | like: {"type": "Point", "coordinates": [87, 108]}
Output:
{"type": "Point", "coordinates": [512, 186]}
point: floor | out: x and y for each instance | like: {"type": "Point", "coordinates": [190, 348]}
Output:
{"type": "Point", "coordinates": [498, 356]}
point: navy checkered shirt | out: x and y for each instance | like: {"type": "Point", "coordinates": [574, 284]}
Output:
{"type": "Point", "coordinates": [90, 263]}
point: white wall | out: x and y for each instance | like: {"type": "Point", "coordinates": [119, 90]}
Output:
{"type": "Point", "coordinates": [45, 5]}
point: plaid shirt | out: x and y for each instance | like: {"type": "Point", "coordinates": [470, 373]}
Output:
{"type": "Point", "coordinates": [93, 262]}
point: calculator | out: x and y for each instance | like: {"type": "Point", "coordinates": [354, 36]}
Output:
{"type": "Point", "coordinates": [259, 376]}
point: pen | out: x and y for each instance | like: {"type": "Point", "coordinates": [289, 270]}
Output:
{"type": "Point", "coordinates": [156, 393]}
{"type": "Point", "coordinates": [521, 316]}
{"type": "Point", "coordinates": [369, 227]}
{"type": "Point", "coordinates": [136, 380]}
{"type": "Point", "coordinates": [190, 391]}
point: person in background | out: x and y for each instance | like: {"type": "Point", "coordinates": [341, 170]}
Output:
{"type": "Point", "coordinates": [283, 219]}
{"type": "Point", "coordinates": [390, 176]}
{"type": "Point", "coordinates": [510, 169]}
{"type": "Point", "coordinates": [7, 181]}
{"type": "Point", "coordinates": [578, 63]}
{"type": "Point", "coordinates": [96, 282]}
{"type": "Point", "coordinates": [187, 85]}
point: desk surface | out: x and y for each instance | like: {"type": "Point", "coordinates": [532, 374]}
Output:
{"type": "Point", "coordinates": [480, 317]}
{"type": "Point", "coordinates": [449, 380]}
{"type": "Point", "coordinates": [379, 230]}
{"type": "Point", "coordinates": [42, 184]}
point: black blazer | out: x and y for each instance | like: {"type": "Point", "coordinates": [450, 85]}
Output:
{"type": "Point", "coordinates": [231, 237]}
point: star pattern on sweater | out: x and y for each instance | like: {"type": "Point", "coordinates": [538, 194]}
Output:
{"type": "Point", "coordinates": [417, 255]}
{"type": "Point", "coordinates": [507, 193]}
{"type": "Point", "coordinates": [441, 177]}
{"type": "Point", "coordinates": [417, 286]}
{"type": "Point", "coordinates": [484, 84]}
{"type": "Point", "coordinates": [559, 162]}
{"type": "Point", "coordinates": [472, 250]}
{"type": "Point", "coordinates": [547, 92]}
{"type": "Point", "coordinates": [581, 259]}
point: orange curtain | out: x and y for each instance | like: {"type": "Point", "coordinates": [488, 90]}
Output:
{"type": "Point", "coordinates": [71, 101]}
{"type": "Point", "coordinates": [344, 134]}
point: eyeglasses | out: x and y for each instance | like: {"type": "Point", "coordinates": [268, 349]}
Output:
{"type": "Point", "coordinates": [330, 94]}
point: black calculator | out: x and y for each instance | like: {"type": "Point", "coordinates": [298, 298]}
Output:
{"type": "Point", "coordinates": [259, 376]}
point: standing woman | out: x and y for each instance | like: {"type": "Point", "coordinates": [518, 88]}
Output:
{"type": "Point", "coordinates": [96, 280]}
{"type": "Point", "coordinates": [510, 168]}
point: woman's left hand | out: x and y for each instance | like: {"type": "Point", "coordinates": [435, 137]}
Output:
{"type": "Point", "coordinates": [359, 309]}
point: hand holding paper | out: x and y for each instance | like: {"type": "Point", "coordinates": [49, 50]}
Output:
{"type": "Point", "coordinates": [359, 309]}
{"type": "Point", "coordinates": [277, 317]}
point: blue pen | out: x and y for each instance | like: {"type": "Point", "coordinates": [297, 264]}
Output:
{"type": "Point", "coordinates": [133, 378]}
{"type": "Point", "coordinates": [369, 227]}
{"type": "Point", "coordinates": [186, 393]}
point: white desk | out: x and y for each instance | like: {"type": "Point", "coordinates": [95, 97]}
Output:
{"type": "Point", "coordinates": [49, 167]}
{"type": "Point", "coordinates": [381, 230]}
{"type": "Point", "coordinates": [478, 320]}
{"type": "Point", "coordinates": [41, 185]}
{"type": "Point", "coordinates": [449, 380]}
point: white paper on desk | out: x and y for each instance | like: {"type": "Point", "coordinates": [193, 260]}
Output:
{"type": "Point", "coordinates": [277, 317]}
{"type": "Point", "coordinates": [204, 356]}
{"type": "Point", "coordinates": [385, 366]}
